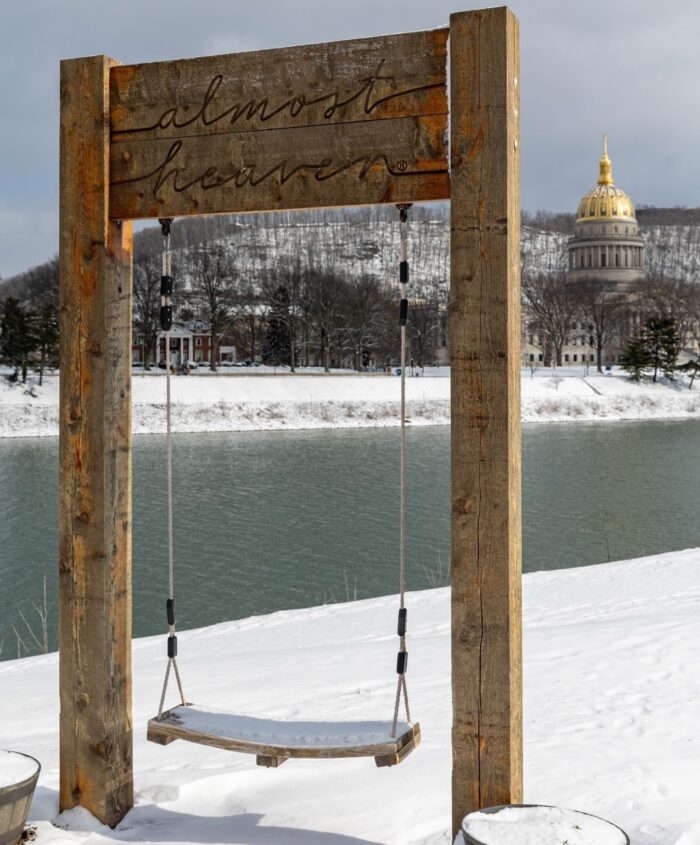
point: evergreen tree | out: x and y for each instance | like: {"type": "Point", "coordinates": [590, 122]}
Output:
{"type": "Point", "coordinates": [45, 329]}
{"type": "Point", "coordinates": [276, 349]}
{"type": "Point", "coordinates": [16, 338]}
{"type": "Point", "coordinates": [636, 358]}
{"type": "Point", "coordinates": [663, 344]}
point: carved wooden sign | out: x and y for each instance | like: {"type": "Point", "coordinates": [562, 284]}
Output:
{"type": "Point", "coordinates": [348, 123]}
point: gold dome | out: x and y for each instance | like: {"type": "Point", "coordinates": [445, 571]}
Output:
{"type": "Point", "coordinates": [605, 201]}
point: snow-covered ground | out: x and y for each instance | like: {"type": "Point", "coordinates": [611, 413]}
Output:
{"type": "Point", "coordinates": [239, 400]}
{"type": "Point", "coordinates": [611, 717]}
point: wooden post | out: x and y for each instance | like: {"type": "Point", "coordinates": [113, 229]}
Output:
{"type": "Point", "coordinates": [485, 341]}
{"type": "Point", "coordinates": [95, 459]}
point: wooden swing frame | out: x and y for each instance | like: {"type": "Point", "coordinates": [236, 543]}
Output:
{"type": "Point", "coordinates": [346, 123]}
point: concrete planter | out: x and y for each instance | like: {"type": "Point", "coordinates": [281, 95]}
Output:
{"type": "Point", "coordinates": [604, 830]}
{"type": "Point", "coordinates": [19, 774]}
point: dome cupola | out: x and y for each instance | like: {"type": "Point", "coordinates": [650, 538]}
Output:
{"type": "Point", "coordinates": [606, 252]}
{"type": "Point", "coordinates": [605, 201]}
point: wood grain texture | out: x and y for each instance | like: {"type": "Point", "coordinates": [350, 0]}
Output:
{"type": "Point", "coordinates": [169, 727]}
{"type": "Point", "coordinates": [348, 164]}
{"type": "Point", "coordinates": [95, 459]}
{"type": "Point", "coordinates": [484, 329]}
{"type": "Point", "coordinates": [347, 123]}
{"type": "Point", "coordinates": [317, 84]}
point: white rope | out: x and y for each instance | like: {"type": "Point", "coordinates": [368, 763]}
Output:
{"type": "Point", "coordinates": [167, 267]}
{"type": "Point", "coordinates": [401, 685]}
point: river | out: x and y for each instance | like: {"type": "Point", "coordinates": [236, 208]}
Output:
{"type": "Point", "coordinates": [265, 521]}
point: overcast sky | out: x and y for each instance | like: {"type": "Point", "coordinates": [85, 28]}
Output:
{"type": "Point", "coordinates": [626, 67]}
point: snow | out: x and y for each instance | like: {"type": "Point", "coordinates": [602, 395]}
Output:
{"type": "Point", "coordinates": [282, 733]}
{"type": "Point", "coordinates": [540, 826]}
{"type": "Point", "coordinates": [610, 717]}
{"type": "Point", "coordinates": [15, 768]}
{"type": "Point", "coordinates": [240, 401]}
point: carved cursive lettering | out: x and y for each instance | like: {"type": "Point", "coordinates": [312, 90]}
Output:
{"type": "Point", "coordinates": [170, 172]}
{"type": "Point", "coordinates": [212, 111]}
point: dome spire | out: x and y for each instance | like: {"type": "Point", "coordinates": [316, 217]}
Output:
{"type": "Point", "coordinates": [605, 176]}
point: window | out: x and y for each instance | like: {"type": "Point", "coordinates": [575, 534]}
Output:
{"type": "Point", "coordinates": [603, 257]}
{"type": "Point", "coordinates": [532, 357]}
{"type": "Point", "coordinates": [198, 341]}
{"type": "Point", "coordinates": [539, 357]}
{"type": "Point", "coordinates": [617, 257]}
{"type": "Point", "coordinates": [530, 339]}
{"type": "Point", "coordinates": [566, 359]}
{"type": "Point", "coordinates": [575, 358]}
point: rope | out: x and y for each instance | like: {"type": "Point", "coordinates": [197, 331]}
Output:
{"type": "Point", "coordinates": [166, 321]}
{"type": "Point", "coordinates": [401, 687]}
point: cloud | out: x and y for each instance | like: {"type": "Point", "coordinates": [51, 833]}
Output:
{"type": "Point", "coordinates": [627, 68]}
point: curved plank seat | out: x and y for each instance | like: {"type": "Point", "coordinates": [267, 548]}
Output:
{"type": "Point", "coordinates": [274, 741]}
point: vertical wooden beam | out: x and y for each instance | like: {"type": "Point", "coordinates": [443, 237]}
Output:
{"type": "Point", "coordinates": [95, 459]}
{"type": "Point", "coordinates": [485, 354]}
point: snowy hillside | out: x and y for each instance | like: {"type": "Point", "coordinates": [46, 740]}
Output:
{"type": "Point", "coordinates": [610, 717]}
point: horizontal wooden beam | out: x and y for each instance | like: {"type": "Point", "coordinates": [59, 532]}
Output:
{"type": "Point", "coordinates": [348, 123]}
{"type": "Point", "coordinates": [399, 160]}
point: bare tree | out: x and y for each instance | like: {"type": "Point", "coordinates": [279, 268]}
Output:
{"type": "Point", "coordinates": [551, 307]}
{"type": "Point", "coordinates": [213, 289]}
{"type": "Point", "coordinates": [604, 313]}
{"type": "Point", "coordinates": [146, 308]}
{"type": "Point", "coordinates": [364, 307]}
{"type": "Point", "coordinates": [675, 299]}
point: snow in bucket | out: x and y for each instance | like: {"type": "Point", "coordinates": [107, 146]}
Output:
{"type": "Point", "coordinates": [16, 768]}
{"type": "Point", "coordinates": [539, 825]}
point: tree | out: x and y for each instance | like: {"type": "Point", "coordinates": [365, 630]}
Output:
{"type": "Point", "coordinates": [146, 313]}
{"type": "Point", "coordinates": [275, 349]}
{"type": "Point", "coordinates": [364, 307]}
{"type": "Point", "coordinates": [45, 330]}
{"type": "Point", "coordinates": [636, 357]}
{"type": "Point", "coordinates": [603, 312]}
{"type": "Point", "coordinates": [16, 338]}
{"type": "Point", "coordinates": [213, 290]}
{"type": "Point", "coordinates": [663, 344]}
{"type": "Point", "coordinates": [551, 307]}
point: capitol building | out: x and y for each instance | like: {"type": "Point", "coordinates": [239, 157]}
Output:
{"type": "Point", "coordinates": [606, 251]}
{"type": "Point", "coordinates": [605, 256]}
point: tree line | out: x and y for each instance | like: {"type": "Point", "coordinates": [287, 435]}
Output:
{"type": "Point", "coordinates": [319, 288]}
{"type": "Point", "coordinates": [29, 321]}
{"type": "Point", "coordinates": [660, 318]}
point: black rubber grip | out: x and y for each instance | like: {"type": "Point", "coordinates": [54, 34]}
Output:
{"type": "Point", "coordinates": [402, 662]}
{"type": "Point", "coordinates": [403, 272]}
{"type": "Point", "coordinates": [172, 646]}
{"type": "Point", "coordinates": [170, 608]}
{"type": "Point", "coordinates": [166, 285]}
{"type": "Point", "coordinates": [403, 613]}
{"type": "Point", "coordinates": [166, 317]}
{"type": "Point", "coordinates": [403, 312]}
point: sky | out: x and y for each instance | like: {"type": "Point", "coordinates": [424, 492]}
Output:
{"type": "Point", "coordinates": [628, 68]}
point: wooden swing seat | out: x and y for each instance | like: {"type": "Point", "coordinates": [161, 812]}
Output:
{"type": "Point", "coordinates": [274, 741]}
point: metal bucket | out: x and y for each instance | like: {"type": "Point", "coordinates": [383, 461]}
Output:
{"type": "Point", "coordinates": [469, 840]}
{"type": "Point", "coordinates": [15, 799]}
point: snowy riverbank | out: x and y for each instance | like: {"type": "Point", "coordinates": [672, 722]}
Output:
{"type": "Point", "coordinates": [238, 400]}
{"type": "Point", "coordinates": [611, 699]}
